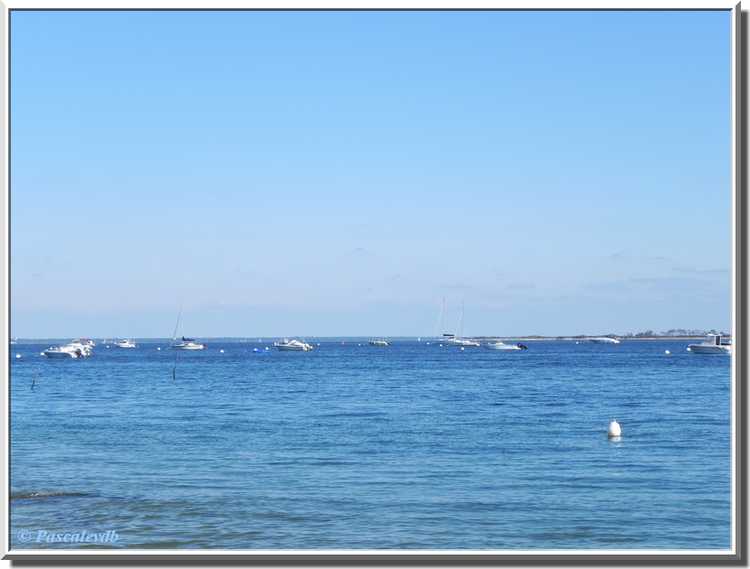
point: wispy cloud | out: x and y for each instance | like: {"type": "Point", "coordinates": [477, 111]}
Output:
{"type": "Point", "coordinates": [457, 286]}
{"type": "Point", "coordinates": [656, 284]}
{"type": "Point", "coordinates": [357, 256]}
{"type": "Point", "coordinates": [624, 255]}
{"type": "Point", "coordinates": [521, 286]}
{"type": "Point", "coordinates": [359, 252]}
{"type": "Point", "coordinates": [617, 255]}
{"type": "Point", "coordinates": [697, 271]}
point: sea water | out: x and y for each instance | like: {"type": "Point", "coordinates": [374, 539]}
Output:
{"type": "Point", "coordinates": [350, 446]}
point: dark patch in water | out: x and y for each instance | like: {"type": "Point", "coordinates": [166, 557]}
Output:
{"type": "Point", "coordinates": [564, 535]}
{"type": "Point", "coordinates": [42, 495]}
{"type": "Point", "coordinates": [355, 414]}
{"type": "Point", "coordinates": [283, 516]}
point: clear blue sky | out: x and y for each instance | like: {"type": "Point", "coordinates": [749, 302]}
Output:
{"type": "Point", "coordinates": [319, 173]}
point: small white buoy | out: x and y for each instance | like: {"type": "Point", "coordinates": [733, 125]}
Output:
{"type": "Point", "coordinates": [158, 348]}
{"type": "Point", "coordinates": [18, 356]}
{"type": "Point", "coordinates": [441, 345]}
{"type": "Point", "coordinates": [614, 430]}
{"type": "Point", "coordinates": [221, 351]}
{"type": "Point", "coordinates": [359, 344]}
{"type": "Point", "coordinates": [318, 343]}
{"type": "Point", "coordinates": [688, 348]}
{"type": "Point", "coordinates": [266, 348]}
{"type": "Point", "coordinates": [428, 343]}
{"type": "Point", "coordinates": [41, 353]}
{"type": "Point", "coordinates": [667, 352]}
{"type": "Point", "coordinates": [462, 349]}
{"type": "Point", "coordinates": [256, 350]}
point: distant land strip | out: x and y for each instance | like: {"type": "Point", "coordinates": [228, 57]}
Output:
{"type": "Point", "coordinates": [527, 338]}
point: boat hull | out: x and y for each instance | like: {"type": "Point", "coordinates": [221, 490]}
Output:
{"type": "Point", "coordinates": [60, 355]}
{"type": "Point", "coordinates": [700, 349]}
{"type": "Point", "coordinates": [504, 347]}
{"type": "Point", "coordinates": [464, 343]}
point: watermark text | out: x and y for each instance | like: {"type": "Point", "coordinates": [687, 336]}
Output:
{"type": "Point", "coordinates": [80, 536]}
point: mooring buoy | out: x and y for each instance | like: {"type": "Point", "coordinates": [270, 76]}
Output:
{"type": "Point", "coordinates": [614, 429]}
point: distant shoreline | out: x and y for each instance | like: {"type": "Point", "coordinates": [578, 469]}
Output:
{"type": "Point", "coordinates": [424, 339]}
{"type": "Point", "coordinates": [588, 338]}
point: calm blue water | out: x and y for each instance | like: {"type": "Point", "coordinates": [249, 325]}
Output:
{"type": "Point", "coordinates": [412, 446]}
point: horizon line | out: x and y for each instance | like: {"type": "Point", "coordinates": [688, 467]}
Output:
{"type": "Point", "coordinates": [359, 337]}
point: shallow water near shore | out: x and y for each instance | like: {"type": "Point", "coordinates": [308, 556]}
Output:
{"type": "Point", "coordinates": [351, 446]}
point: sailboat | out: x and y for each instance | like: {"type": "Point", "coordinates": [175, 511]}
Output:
{"type": "Point", "coordinates": [458, 340]}
{"type": "Point", "coordinates": [184, 343]}
{"type": "Point", "coordinates": [188, 344]}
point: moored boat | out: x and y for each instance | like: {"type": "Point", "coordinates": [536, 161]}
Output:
{"type": "Point", "coordinates": [713, 344]}
{"type": "Point", "coordinates": [188, 344]}
{"type": "Point", "coordinates": [502, 346]}
{"type": "Point", "coordinates": [457, 339]}
{"type": "Point", "coordinates": [73, 350]}
{"type": "Point", "coordinates": [603, 340]}
{"type": "Point", "coordinates": [462, 342]}
{"type": "Point", "coordinates": [287, 345]}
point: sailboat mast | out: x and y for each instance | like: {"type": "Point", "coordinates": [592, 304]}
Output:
{"type": "Point", "coordinates": [461, 322]}
{"type": "Point", "coordinates": [441, 324]}
{"type": "Point", "coordinates": [177, 325]}
{"type": "Point", "coordinates": [174, 337]}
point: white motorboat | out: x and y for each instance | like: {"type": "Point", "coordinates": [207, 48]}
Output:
{"type": "Point", "coordinates": [59, 352]}
{"type": "Point", "coordinates": [380, 342]}
{"type": "Point", "coordinates": [462, 342]}
{"type": "Point", "coordinates": [292, 346]}
{"type": "Point", "coordinates": [603, 340]}
{"type": "Point", "coordinates": [713, 344]}
{"type": "Point", "coordinates": [73, 350]}
{"type": "Point", "coordinates": [188, 344]}
{"type": "Point", "coordinates": [82, 346]}
{"type": "Point", "coordinates": [125, 344]}
{"type": "Point", "coordinates": [502, 346]}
